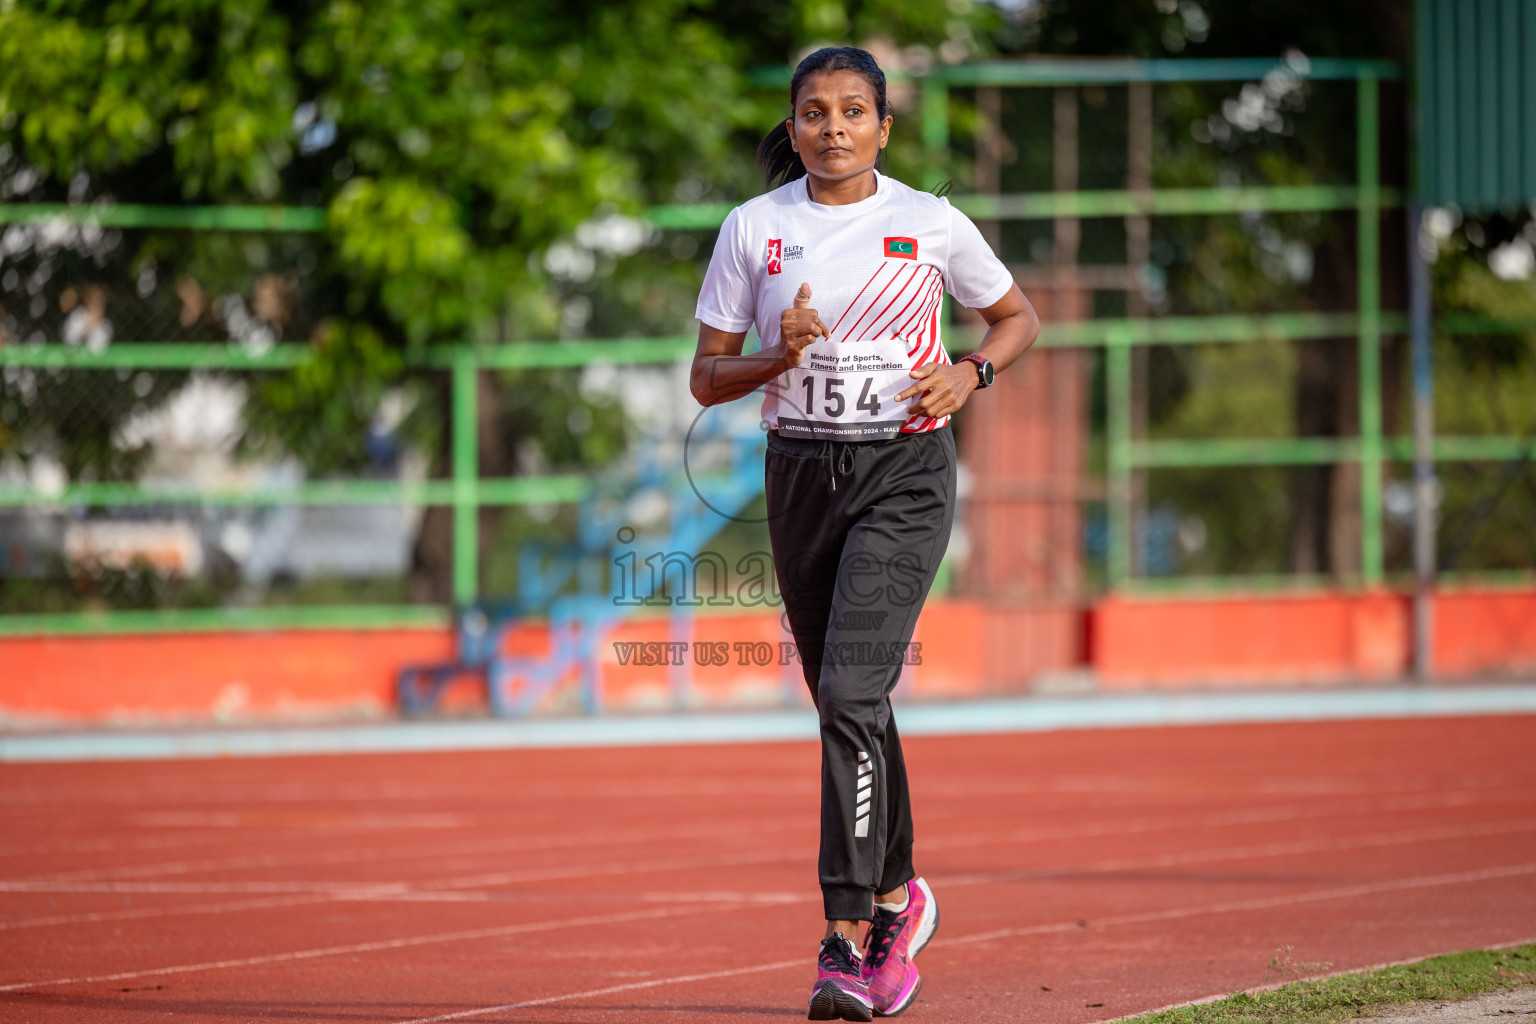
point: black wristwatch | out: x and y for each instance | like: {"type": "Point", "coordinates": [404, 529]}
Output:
{"type": "Point", "coordinates": [983, 369]}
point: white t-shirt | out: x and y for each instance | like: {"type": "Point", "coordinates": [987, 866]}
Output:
{"type": "Point", "coordinates": [877, 268]}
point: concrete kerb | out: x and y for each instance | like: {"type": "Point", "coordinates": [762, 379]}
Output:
{"type": "Point", "coordinates": [1011, 715]}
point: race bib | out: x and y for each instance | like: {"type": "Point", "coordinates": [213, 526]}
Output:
{"type": "Point", "coordinates": [846, 391]}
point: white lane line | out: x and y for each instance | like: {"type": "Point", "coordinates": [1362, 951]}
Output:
{"type": "Point", "coordinates": [1038, 834]}
{"type": "Point", "coordinates": [141, 913]}
{"type": "Point", "coordinates": [1340, 892]}
{"type": "Point", "coordinates": [1343, 892]}
{"type": "Point", "coordinates": [1164, 785]}
{"type": "Point", "coordinates": [355, 855]}
{"type": "Point", "coordinates": [1260, 903]}
{"type": "Point", "coordinates": [600, 870]}
{"type": "Point", "coordinates": [1225, 811]}
{"type": "Point", "coordinates": [393, 888]}
{"type": "Point", "coordinates": [137, 913]}
{"type": "Point", "coordinates": [589, 993]}
{"type": "Point", "coordinates": [207, 888]}
{"type": "Point", "coordinates": [354, 893]}
{"type": "Point", "coordinates": [1404, 838]}
{"type": "Point", "coordinates": [325, 819]}
{"type": "Point", "coordinates": [405, 895]}
{"type": "Point", "coordinates": [407, 890]}
{"type": "Point", "coordinates": [366, 947]}
{"type": "Point", "coordinates": [1169, 785]}
{"type": "Point", "coordinates": [1084, 830]}
{"type": "Point", "coordinates": [220, 796]}
{"type": "Point", "coordinates": [1294, 812]}
{"type": "Point", "coordinates": [59, 841]}
{"type": "Point", "coordinates": [632, 897]}
{"type": "Point", "coordinates": [1400, 803]}
{"type": "Point", "coordinates": [225, 794]}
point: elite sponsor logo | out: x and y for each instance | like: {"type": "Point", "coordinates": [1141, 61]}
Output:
{"type": "Point", "coordinates": [775, 255]}
{"type": "Point", "coordinates": [901, 248]}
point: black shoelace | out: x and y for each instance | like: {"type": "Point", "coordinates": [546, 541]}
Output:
{"type": "Point", "coordinates": [837, 955]}
{"type": "Point", "coordinates": [882, 936]}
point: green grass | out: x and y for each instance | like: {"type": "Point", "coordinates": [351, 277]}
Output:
{"type": "Point", "coordinates": [1347, 996]}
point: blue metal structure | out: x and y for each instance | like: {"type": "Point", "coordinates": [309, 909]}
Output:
{"type": "Point", "coordinates": [576, 588]}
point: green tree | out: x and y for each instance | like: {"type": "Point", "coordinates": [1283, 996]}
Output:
{"type": "Point", "coordinates": [457, 147]}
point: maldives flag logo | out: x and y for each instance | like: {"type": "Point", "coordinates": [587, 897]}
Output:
{"type": "Point", "coordinates": [904, 248]}
{"type": "Point", "coordinates": [775, 255]}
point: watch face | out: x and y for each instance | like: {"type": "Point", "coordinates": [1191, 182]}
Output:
{"type": "Point", "coordinates": [986, 374]}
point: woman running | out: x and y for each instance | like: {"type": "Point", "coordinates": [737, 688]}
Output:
{"type": "Point", "coordinates": [860, 469]}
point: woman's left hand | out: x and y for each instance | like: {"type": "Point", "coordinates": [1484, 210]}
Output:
{"type": "Point", "coordinates": [944, 388]}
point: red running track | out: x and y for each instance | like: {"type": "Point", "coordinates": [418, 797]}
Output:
{"type": "Point", "coordinates": [1083, 875]}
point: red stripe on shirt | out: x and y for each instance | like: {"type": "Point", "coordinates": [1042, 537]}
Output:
{"type": "Point", "coordinates": [872, 303]}
{"type": "Point", "coordinates": [934, 287]}
{"type": "Point", "coordinates": [856, 298]}
{"type": "Point", "coordinates": [920, 297]}
{"type": "Point", "coordinates": [916, 292]}
{"type": "Point", "coordinates": [934, 295]}
{"type": "Point", "coordinates": [935, 291]}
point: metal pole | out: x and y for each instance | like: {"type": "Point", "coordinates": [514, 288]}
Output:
{"type": "Point", "coordinates": [1138, 255]}
{"type": "Point", "coordinates": [1368, 239]}
{"type": "Point", "coordinates": [1117, 400]}
{"type": "Point", "coordinates": [989, 155]}
{"type": "Point", "coordinates": [1069, 303]}
{"type": "Point", "coordinates": [1420, 334]}
{"type": "Point", "coordinates": [935, 119]}
{"type": "Point", "coordinates": [1117, 352]}
{"type": "Point", "coordinates": [466, 472]}
{"type": "Point", "coordinates": [1420, 326]}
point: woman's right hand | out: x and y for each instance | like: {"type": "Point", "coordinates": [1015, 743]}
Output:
{"type": "Point", "coordinates": [799, 326]}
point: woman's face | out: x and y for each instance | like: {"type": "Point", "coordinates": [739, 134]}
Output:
{"type": "Point", "coordinates": [837, 128]}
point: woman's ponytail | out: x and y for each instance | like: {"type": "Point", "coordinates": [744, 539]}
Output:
{"type": "Point", "coordinates": [778, 159]}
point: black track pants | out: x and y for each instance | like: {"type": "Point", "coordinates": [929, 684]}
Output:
{"type": "Point", "coordinates": [858, 530]}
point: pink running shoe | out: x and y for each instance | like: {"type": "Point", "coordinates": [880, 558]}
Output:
{"type": "Point", "coordinates": [841, 992]}
{"type": "Point", "coordinates": [894, 939]}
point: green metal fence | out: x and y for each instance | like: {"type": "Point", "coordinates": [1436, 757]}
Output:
{"type": "Point", "coordinates": [465, 492]}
